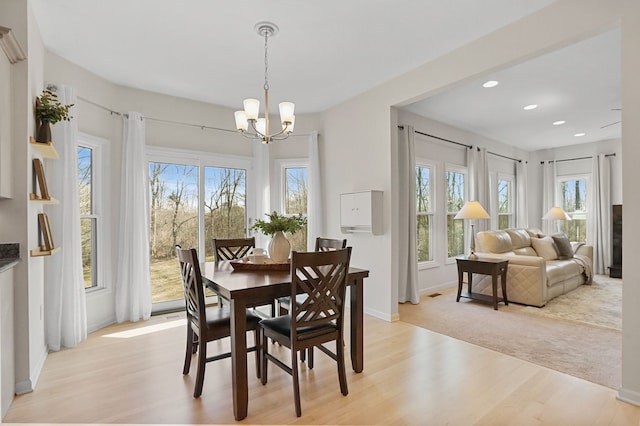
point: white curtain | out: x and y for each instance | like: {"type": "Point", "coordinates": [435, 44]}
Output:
{"type": "Point", "coordinates": [133, 287]}
{"type": "Point", "coordinates": [407, 233]}
{"type": "Point", "coordinates": [263, 186]}
{"type": "Point", "coordinates": [64, 298]}
{"type": "Point", "coordinates": [522, 206]}
{"type": "Point", "coordinates": [314, 194]}
{"type": "Point", "coordinates": [548, 194]}
{"type": "Point", "coordinates": [479, 189]}
{"type": "Point", "coordinates": [599, 218]}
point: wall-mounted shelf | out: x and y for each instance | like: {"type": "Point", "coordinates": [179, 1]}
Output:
{"type": "Point", "coordinates": [42, 252]}
{"type": "Point", "coordinates": [46, 149]}
{"type": "Point", "coordinates": [361, 212]}
{"type": "Point", "coordinates": [51, 200]}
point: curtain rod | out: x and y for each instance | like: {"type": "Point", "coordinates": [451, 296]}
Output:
{"type": "Point", "coordinates": [461, 144]}
{"type": "Point", "coordinates": [161, 120]}
{"type": "Point", "coordinates": [577, 158]}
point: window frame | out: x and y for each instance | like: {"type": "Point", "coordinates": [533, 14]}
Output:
{"type": "Point", "coordinates": [512, 211]}
{"type": "Point", "coordinates": [100, 190]}
{"type": "Point", "coordinates": [464, 171]}
{"type": "Point", "coordinates": [574, 177]}
{"type": "Point", "coordinates": [432, 213]}
{"type": "Point", "coordinates": [282, 165]}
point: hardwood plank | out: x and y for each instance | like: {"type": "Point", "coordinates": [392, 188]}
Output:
{"type": "Point", "coordinates": [131, 373]}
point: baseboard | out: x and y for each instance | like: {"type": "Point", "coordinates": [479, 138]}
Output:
{"type": "Point", "coordinates": [439, 287]}
{"type": "Point", "coordinates": [626, 395]}
{"type": "Point", "coordinates": [24, 387]}
{"type": "Point", "coordinates": [382, 315]}
{"type": "Point", "coordinates": [98, 326]}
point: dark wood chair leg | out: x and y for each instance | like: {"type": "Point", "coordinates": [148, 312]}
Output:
{"type": "Point", "coordinates": [202, 361]}
{"type": "Point", "coordinates": [342, 374]}
{"type": "Point", "coordinates": [296, 383]}
{"type": "Point", "coordinates": [263, 356]}
{"type": "Point", "coordinates": [310, 352]}
{"type": "Point", "coordinates": [189, 350]}
{"type": "Point", "coordinates": [258, 344]}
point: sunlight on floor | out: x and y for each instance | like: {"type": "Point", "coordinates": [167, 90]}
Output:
{"type": "Point", "coordinates": [147, 330]}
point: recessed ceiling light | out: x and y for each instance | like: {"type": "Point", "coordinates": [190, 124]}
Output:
{"type": "Point", "coordinates": [579, 134]}
{"type": "Point", "coordinates": [530, 107]}
{"type": "Point", "coordinates": [559, 122]}
{"type": "Point", "coordinates": [490, 83]}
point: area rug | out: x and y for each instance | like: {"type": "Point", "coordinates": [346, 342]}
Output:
{"type": "Point", "coordinates": [579, 348]}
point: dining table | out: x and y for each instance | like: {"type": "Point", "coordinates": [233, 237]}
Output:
{"type": "Point", "coordinates": [249, 288]}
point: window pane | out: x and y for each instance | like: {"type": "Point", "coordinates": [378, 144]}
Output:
{"type": "Point", "coordinates": [225, 213]}
{"type": "Point", "coordinates": [89, 255]}
{"type": "Point", "coordinates": [455, 191]}
{"type": "Point", "coordinates": [573, 194]}
{"type": "Point", "coordinates": [504, 221]}
{"type": "Point", "coordinates": [174, 220]}
{"type": "Point", "coordinates": [504, 196]}
{"type": "Point", "coordinates": [423, 189]}
{"type": "Point", "coordinates": [295, 188]}
{"type": "Point", "coordinates": [299, 240]}
{"type": "Point", "coordinates": [85, 179]}
{"type": "Point", "coordinates": [455, 236]}
{"type": "Point", "coordinates": [424, 238]}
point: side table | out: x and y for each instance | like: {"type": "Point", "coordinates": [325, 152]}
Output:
{"type": "Point", "coordinates": [485, 266]}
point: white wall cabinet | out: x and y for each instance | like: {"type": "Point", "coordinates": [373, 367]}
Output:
{"type": "Point", "coordinates": [361, 212]}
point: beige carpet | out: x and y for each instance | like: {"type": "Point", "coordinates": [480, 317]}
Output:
{"type": "Point", "coordinates": [577, 336]}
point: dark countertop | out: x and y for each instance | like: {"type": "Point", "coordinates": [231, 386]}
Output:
{"type": "Point", "coordinates": [9, 256]}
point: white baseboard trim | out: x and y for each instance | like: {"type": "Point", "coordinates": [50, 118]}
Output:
{"type": "Point", "coordinates": [626, 395]}
{"type": "Point", "coordinates": [382, 315]}
{"type": "Point", "coordinates": [24, 387]}
{"type": "Point", "coordinates": [435, 288]}
{"type": "Point", "coordinates": [95, 327]}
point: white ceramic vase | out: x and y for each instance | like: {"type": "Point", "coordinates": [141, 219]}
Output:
{"type": "Point", "coordinates": [279, 248]}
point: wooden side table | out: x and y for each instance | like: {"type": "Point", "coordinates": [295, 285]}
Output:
{"type": "Point", "coordinates": [486, 266]}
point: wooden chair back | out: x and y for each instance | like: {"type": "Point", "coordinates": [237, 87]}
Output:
{"type": "Point", "coordinates": [192, 285]}
{"type": "Point", "coordinates": [326, 244]}
{"type": "Point", "coordinates": [225, 249]}
{"type": "Point", "coordinates": [321, 277]}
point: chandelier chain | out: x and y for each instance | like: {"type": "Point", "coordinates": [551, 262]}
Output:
{"type": "Point", "coordinates": [266, 62]}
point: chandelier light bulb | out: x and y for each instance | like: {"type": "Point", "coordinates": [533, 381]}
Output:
{"type": "Point", "coordinates": [241, 121]}
{"type": "Point", "coordinates": [286, 111]}
{"type": "Point", "coordinates": [261, 126]}
{"type": "Point", "coordinates": [251, 108]}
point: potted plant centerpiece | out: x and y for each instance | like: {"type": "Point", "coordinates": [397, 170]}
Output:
{"type": "Point", "coordinates": [279, 247]}
{"type": "Point", "coordinates": [49, 111]}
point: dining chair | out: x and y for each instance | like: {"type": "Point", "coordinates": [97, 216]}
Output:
{"type": "Point", "coordinates": [321, 277]}
{"type": "Point", "coordinates": [206, 324]}
{"type": "Point", "coordinates": [225, 249]}
{"type": "Point", "coordinates": [322, 244]}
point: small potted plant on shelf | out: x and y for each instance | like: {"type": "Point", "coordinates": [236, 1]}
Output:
{"type": "Point", "coordinates": [279, 247]}
{"type": "Point", "coordinates": [49, 111]}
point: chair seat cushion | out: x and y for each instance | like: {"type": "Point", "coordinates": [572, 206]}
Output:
{"type": "Point", "coordinates": [217, 317]}
{"type": "Point", "coordinates": [286, 300]}
{"type": "Point", "coordinates": [282, 325]}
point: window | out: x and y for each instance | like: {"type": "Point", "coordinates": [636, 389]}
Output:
{"type": "Point", "coordinates": [572, 192]}
{"type": "Point", "coordinates": [505, 202]}
{"type": "Point", "coordinates": [92, 164]}
{"type": "Point", "coordinates": [456, 185]}
{"type": "Point", "coordinates": [294, 198]}
{"type": "Point", "coordinates": [425, 203]}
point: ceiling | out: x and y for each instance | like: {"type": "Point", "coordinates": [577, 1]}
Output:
{"type": "Point", "coordinates": [332, 50]}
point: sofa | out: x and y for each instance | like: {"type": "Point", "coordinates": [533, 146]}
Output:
{"type": "Point", "coordinates": [540, 268]}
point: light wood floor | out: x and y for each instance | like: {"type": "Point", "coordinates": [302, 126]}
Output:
{"type": "Point", "coordinates": [132, 373]}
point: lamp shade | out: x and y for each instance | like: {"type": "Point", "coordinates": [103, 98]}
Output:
{"type": "Point", "coordinates": [556, 213]}
{"type": "Point", "coordinates": [472, 210]}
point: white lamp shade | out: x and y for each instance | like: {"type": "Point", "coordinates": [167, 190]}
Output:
{"type": "Point", "coordinates": [251, 108]}
{"type": "Point", "coordinates": [289, 128]}
{"type": "Point", "coordinates": [261, 126]}
{"type": "Point", "coordinates": [556, 213]}
{"type": "Point", "coordinates": [241, 121]}
{"type": "Point", "coordinates": [286, 111]}
{"type": "Point", "coordinates": [472, 210]}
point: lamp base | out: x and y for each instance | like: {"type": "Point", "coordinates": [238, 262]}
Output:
{"type": "Point", "coordinates": [472, 256]}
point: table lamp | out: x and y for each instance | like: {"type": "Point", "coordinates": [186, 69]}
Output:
{"type": "Point", "coordinates": [472, 210]}
{"type": "Point", "coordinates": [557, 214]}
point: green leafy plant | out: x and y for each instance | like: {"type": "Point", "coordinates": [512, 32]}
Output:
{"type": "Point", "coordinates": [49, 108]}
{"type": "Point", "coordinates": [277, 222]}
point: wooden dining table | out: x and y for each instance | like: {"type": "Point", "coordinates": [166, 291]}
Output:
{"type": "Point", "coordinates": [244, 289]}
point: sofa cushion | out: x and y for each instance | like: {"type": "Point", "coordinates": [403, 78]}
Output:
{"type": "Point", "coordinates": [534, 232]}
{"type": "Point", "coordinates": [545, 248]}
{"type": "Point", "coordinates": [493, 242]}
{"type": "Point", "coordinates": [561, 270]}
{"type": "Point", "coordinates": [526, 251]}
{"type": "Point", "coordinates": [519, 238]}
{"type": "Point", "coordinates": [563, 246]}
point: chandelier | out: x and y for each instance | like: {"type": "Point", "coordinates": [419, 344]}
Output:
{"type": "Point", "coordinates": [260, 126]}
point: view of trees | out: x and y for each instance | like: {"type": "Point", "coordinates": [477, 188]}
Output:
{"type": "Point", "coordinates": [505, 204]}
{"type": "Point", "coordinates": [87, 223]}
{"type": "Point", "coordinates": [174, 213]}
{"type": "Point", "coordinates": [455, 201]}
{"type": "Point", "coordinates": [295, 202]}
{"type": "Point", "coordinates": [573, 194]}
{"type": "Point", "coordinates": [423, 208]}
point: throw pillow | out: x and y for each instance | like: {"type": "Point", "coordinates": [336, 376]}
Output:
{"type": "Point", "coordinates": [565, 251]}
{"type": "Point", "coordinates": [545, 248]}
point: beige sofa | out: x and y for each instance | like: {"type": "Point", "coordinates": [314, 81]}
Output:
{"type": "Point", "coordinates": [536, 272]}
